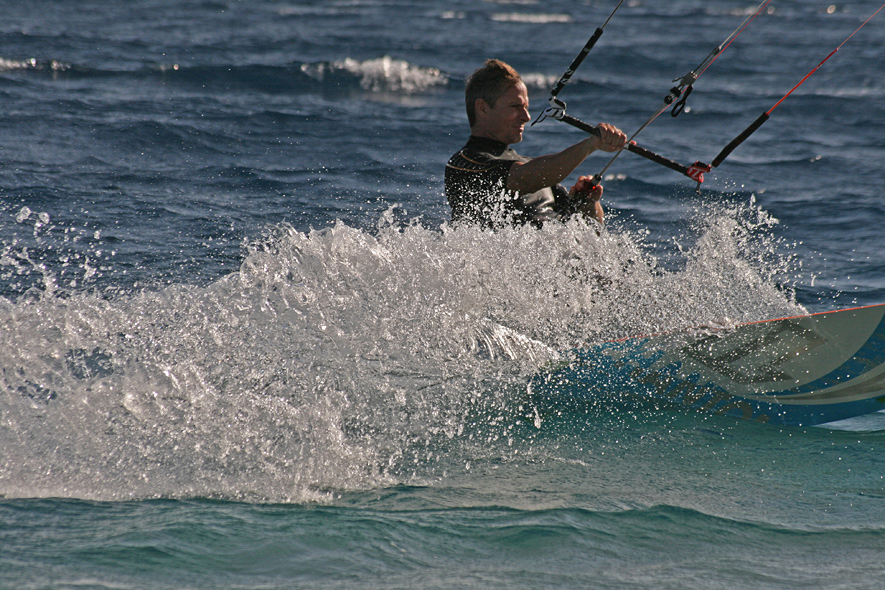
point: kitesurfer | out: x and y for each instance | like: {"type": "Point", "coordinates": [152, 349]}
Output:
{"type": "Point", "coordinates": [489, 183]}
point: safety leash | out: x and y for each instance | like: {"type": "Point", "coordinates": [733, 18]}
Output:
{"type": "Point", "coordinates": [557, 107]}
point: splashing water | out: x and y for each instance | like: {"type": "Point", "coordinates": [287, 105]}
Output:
{"type": "Point", "coordinates": [340, 359]}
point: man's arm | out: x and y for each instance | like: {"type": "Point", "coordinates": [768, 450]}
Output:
{"type": "Point", "coordinates": [551, 169]}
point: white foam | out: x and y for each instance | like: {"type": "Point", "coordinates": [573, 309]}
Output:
{"type": "Point", "coordinates": [337, 359]}
{"type": "Point", "coordinates": [383, 74]}
{"type": "Point", "coordinates": [32, 64]}
{"type": "Point", "coordinates": [539, 18]}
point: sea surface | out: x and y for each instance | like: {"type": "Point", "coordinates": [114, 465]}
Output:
{"type": "Point", "coordinates": [242, 347]}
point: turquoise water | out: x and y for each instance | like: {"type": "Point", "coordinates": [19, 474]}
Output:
{"type": "Point", "coordinates": [694, 505]}
{"type": "Point", "coordinates": [242, 347]}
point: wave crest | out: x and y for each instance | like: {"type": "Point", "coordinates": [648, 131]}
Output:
{"type": "Point", "coordinates": [383, 74]}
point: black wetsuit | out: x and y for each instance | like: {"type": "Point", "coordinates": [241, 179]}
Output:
{"type": "Point", "coordinates": [476, 178]}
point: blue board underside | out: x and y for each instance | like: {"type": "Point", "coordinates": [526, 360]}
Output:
{"type": "Point", "coordinates": [763, 372]}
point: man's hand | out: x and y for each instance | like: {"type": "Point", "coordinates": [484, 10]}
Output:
{"type": "Point", "coordinates": [585, 191]}
{"type": "Point", "coordinates": [611, 139]}
{"type": "Point", "coordinates": [588, 194]}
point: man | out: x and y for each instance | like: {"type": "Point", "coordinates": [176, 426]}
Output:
{"type": "Point", "coordinates": [489, 183]}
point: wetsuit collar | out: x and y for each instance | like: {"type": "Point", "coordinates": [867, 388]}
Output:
{"type": "Point", "coordinates": [487, 144]}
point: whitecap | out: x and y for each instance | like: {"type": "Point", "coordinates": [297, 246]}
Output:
{"type": "Point", "coordinates": [540, 18]}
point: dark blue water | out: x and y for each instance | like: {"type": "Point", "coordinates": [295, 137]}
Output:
{"type": "Point", "coordinates": [242, 347]}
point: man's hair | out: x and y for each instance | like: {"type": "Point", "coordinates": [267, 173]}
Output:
{"type": "Point", "coordinates": [489, 82]}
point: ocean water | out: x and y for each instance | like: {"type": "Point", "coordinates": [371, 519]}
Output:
{"type": "Point", "coordinates": [242, 347]}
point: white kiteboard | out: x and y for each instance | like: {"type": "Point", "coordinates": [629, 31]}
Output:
{"type": "Point", "coordinates": [800, 371]}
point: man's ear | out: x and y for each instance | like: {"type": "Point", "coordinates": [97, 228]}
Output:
{"type": "Point", "coordinates": [481, 106]}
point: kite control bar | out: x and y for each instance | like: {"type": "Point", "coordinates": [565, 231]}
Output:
{"type": "Point", "coordinates": [557, 111]}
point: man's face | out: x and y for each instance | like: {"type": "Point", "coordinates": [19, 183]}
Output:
{"type": "Point", "coordinates": [506, 120]}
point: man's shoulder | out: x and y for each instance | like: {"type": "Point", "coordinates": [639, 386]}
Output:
{"type": "Point", "coordinates": [470, 161]}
